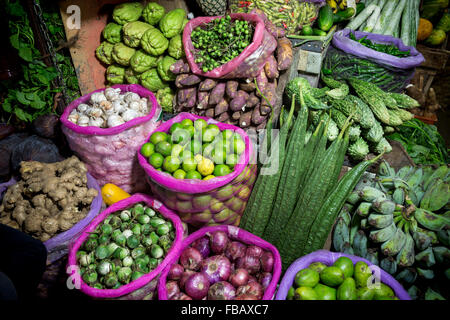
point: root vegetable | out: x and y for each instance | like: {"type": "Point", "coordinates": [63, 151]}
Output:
{"type": "Point", "coordinates": [223, 117]}
{"type": "Point", "coordinates": [261, 82]}
{"type": "Point", "coordinates": [238, 103]}
{"type": "Point", "coordinates": [203, 99]}
{"type": "Point", "coordinates": [207, 85]}
{"type": "Point", "coordinates": [190, 80]}
{"type": "Point", "coordinates": [231, 88]}
{"type": "Point", "coordinates": [284, 53]}
{"type": "Point", "coordinates": [245, 119]}
{"type": "Point", "coordinates": [179, 78]}
{"type": "Point", "coordinates": [252, 100]}
{"type": "Point", "coordinates": [221, 107]}
{"type": "Point", "coordinates": [247, 86]}
{"type": "Point", "coordinates": [217, 93]}
{"type": "Point", "coordinates": [209, 113]}
{"type": "Point", "coordinates": [236, 115]}
{"type": "Point", "coordinates": [271, 68]}
{"type": "Point", "coordinates": [257, 118]}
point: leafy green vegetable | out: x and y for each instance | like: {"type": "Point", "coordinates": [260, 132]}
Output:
{"type": "Point", "coordinates": [385, 48]}
{"type": "Point", "coordinates": [422, 141]}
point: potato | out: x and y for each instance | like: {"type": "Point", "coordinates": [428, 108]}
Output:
{"type": "Point", "coordinates": [221, 107]}
{"type": "Point", "coordinates": [238, 103]}
{"type": "Point", "coordinates": [284, 53]}
{"type": "Point", "coordinates": [217, 93]}
{"type": "Point", "coordinates": [231, 88]}
{"type": "Point", "coordinates": [271, 68]}
{"type": "Point", "coordinates": [252, 100]}
{"type": "Point", "coordinates": [207, 85]}
{"type": "Point", "coordinates": [245, 119]}
{"type": "Point", "coordinates": [247, 86]}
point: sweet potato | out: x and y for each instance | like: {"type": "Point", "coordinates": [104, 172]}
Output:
{"type": "Point", "coordinates": [284, 53]}
{"type": "Point", "coordinates": [202, 113]}
{"type": "Point", "coordinates": [209, 113]}
{"type": "Point", "coordinates": [262, 125]}
{"type": "Point", "coordinates": [207, 84]}
{"type": "Point", "coordinates": [247, 86]}
{"type": "Point", "coordinates": [261, 14]}
{"type": "Point", "coordinates": [223, 117]}
{"type": "Point", "coordinates": [221, 107]}
{"type": "Point", "coordinates": [261, 81]}
{"type": "Point", "coordinates": [177, 67]}
{"type": "Point", "coordinates": [257, 118]}
{"type": "Point", "coordinates": [191, 80]}
{"type": "Point", "coordinates": [252, 100]}
{"type": "Point", "coordinates": [236, 115]}
{"type": "Point", "coordinates": [245, 119]}
{"type": "Point", "coordinates": [202, 98]}
{"type": "Point", "coordinates": [180, 78]}
{"type": "Point", "coordinates": [231, 88]}
{"type": "Point", "coordinates": [217, 93]}
{"type": "Point", "coordinates": [271, 95]}
{"type": "Point", "coordinates": [271, 68]}
{"type": "Point", "coordinates": [238, 103]}
{"type": "Point", "coordinates": [191, 97]}
{"type": "Point", "coordinates": [182, 95]}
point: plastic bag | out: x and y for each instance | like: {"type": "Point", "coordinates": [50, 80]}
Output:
{"type": "Point", "coordinates": [110, 154]}
{"type": "Point", "coordinates": [292, 15]}
{"type": "Point", "coordinates": [245, 65]}
{"type": "Point", "coordinates": [235, 234]}
{"type": "Point", "coordinates": [144, 287]}
{"type": "Point", "coordinates": [348, 58]}
{"type": "Point", "coordinates": [328, 258]}
{"type": "Point", "coordinates": [221, 200]}
{"type": "Point", "coordinates": [4, 186]}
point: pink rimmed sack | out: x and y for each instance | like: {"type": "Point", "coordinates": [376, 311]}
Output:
{"type": "Point", "coordinates": [110, 153]}
{"type": "Point", "coordinates": [144, 287]}
{"type": "Point", "coordinates": [221, 200]}
{"type": "Point", "coordinates": [235, 234]}
{"type": "Point", "coordinates": [328, 258]}
{"type": "Point", "coordinates": [245, 65]}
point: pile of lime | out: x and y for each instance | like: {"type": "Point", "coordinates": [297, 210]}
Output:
{"type": "Point", "coordinates": [194, 150]}
{"type": "Point", "coordinates": [341, 281]}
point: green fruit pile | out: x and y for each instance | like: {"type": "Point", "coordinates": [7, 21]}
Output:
{"type": "Point", "coordinates": [220, 41]}
{"type": "Point", "coordinates": [194, 150]}
{"type": "Point", "coordinates": [340, 281]}
{"type": "Point", "coordinates": [400, 221]}
{"type": "Point", "coordinates": [124, 247]}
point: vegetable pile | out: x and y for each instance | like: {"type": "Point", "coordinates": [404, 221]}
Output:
{"type": "Point", "coordinates": [220, 41]}
{"type": "Point", "coordinates": [109, 108]}
{"type": "Point", "coordinates": [340, 281]}
{"type": "Point", "coordinates": [124, 247]}
{"type": "Point", "coordinates": [141, 44]}
{"type": "Point", "coordinates": [49, 199]}
{"type": "Point", "coordinates": [399, 221]}
{"type": "Point", "coordinates": [194, 150]}
{"type": "Point", "coordinates": [295, 207]}
{"type": "Point", "coordinates": [216, 268]}
{"type": "Point", "coordinates": [375, 112]}
{"type": "Point", "coordinates": [380, 47]}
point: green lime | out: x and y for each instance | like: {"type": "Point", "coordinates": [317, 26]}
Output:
{"type": "Point", "coordinates": [147, 149]}
{"type": "Point", "coordinates": [219, 156]}
{"type": "Point", "coordinates": [238, 145]}
{"type": "Point", "coordinates": [209, 177]}
{"type": "Point", "coordinates": [190, 129]}
{"type": "Point", "coordinates": [181, 136]}
{"type": "Point", "coordinates": [227, 134]}
{"type": "Point", "coordinates": [187, 122]}
{"type": "Point", "coordinates": [179, 174]}
{"type": "Point", "coordinates": [171, 164]}
{"type": "Point", "coordinates": [175, 126]}
{"type": "Point", "coordinates": [189, 164]}
{"type": "Point", "coordinates": [205, 167]}
{"type": "Point", "coordinates": [214, 128]}
{"type": "Point", "coordinates": [193, 175]}
{"type": "Point", "coordinates": [232, 160]}
{"type": "Point", "coordinates": [207, 149]}
{"type": "Point", "coordinates": [163, 147]}
{"type": "Point", "coordinates": [208, 135]}
{"type": "Point", "coordinates": [195, 147]}
{"type": "Point", "coordinates": [158, 136]}
{"type": "Point", "coordinates": [199, 124]}
{"type": "Point", "coordinates": [176, 150]}
{"type": "Point", "coordinates": [186, 154]}
{"type": "Point", "coordinates": [156, 160]}
{"type": "Point", "coordinates": [159, 169]}
{"type": "Point", "coordinates": [221, 170]}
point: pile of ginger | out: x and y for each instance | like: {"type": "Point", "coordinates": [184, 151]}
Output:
{"type": "Point", "coordinates": [50, 198]}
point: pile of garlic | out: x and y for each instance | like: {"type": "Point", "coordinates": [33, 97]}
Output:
{"type": "Point", "coordinates": [109, 108]}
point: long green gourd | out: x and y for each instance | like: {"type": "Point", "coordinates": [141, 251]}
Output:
{"type": "Point", "coordinates": [362, 17]}
{"type": "Point", "coordinates": [406, 30]}
{"type": "Point", "coordinates": [387, 11]}
{"type": "Point", "coordinates": [374, 17]}
{"type": "Point", "coordinates": [394, 20]}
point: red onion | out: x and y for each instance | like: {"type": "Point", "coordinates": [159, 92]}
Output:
{"type": "Point", "coordinates": [202, 245]}
{"type": "Point", "coordinates": [239, 277]}
{"type": "Point", "coordinates": [254, 251]}
{"type": "Point", "coordinates": [239, 263]}
{"type": "Point", "coordinates": [184, 296]}
{"type": "Point", "coordinates": [216, 268]}
{"type": "Point", "coordinates": [172, 289]}
{"type": "Point", "coordinates": [197, 286]}
{"type": "Point", "coordinates": [219, 241]}
{"type": "Point", "coordinates": [264, 279]}
{"type": "Point", "coordinates": [186, 274]}
{"type": "Point", "coordinates": [253, 288]}
{"type": "Point", "coordinates": [245, 297]}
{"type": "Point", "coordinates": [234, 250]}
{"type": "Point", "coordinates": [191, 259]}
{"type": "Point", "coordinates": [252, 279]}
{"type": "Point", "coordinates": [252, 264]}
{"type": "Point", "coordinates": [175, 272]}
{"type": "Point", "coordinates": [267, 261]}
{"type": "Point", "coordinates": [221, 290]}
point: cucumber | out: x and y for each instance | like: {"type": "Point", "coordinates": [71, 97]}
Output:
{"type": "Point", "coordinates": [325, 18]}
{"type": "Point", "coordinates": [343, 15]}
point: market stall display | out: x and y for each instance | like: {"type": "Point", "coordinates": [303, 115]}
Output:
{"type": "Point", "coordinates": [222, 263]}
{"type": "Point", "coordinates": [398, 221]}
{"type": "Point", "coordinates": [125, 248]}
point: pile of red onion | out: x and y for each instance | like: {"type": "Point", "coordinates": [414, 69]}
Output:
{"type": "Point", "coordinates": [217, 268]}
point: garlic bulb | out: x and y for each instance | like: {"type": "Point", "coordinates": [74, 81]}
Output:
{"type": "Point", "coordinates": [105, 105]}
{"type": "Point", "coordinates": [115, 120]}
{"type": "Point", "coordinates": [143, 106]}
{"type": "Point", "coordinates": [73, 117]}
{"type": "Point", "coordinates": [83, 120]}
{"type": "Point", "coordinates": [82, 107]}
{"type": "Point", "coordinates": [112, 93]}
{"type": "Point", "coordinates": [96, 122]}
{"type": "Point", "coordinates": [134, 105]}
{"type": "Point", "coordinates": [97, 97]}
{"type": "Point", "coordinates": [95, 112]}
{"type": "Point", "coordinates": [131, 96]}
{"type": "Point", "coordinates": [118, 106]}
{"type": "Point", "coordinates": [129, 114]}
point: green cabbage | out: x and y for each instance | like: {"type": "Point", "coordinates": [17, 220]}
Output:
{"type": "Point", "coordinates": [142, 61]}
{"type": "Point", "coordinates": [104, 51]}
{"type": "Point", "coordinates": [115, 74]}
{"type": "Point", "coordinates": [131, 76]}
{"type": "Point", "coordinates": [127, 12]}
{"type": "Point", "coordinates": [133, 31]}
{"type": "Point", "coordinates": [163, 68]}
{"type": "Point", "coordinates": [122, 54]}
{"type": "Point", "coordinates": [112, 32]}
{"type": "Point", "coordinates": [176, 49]}
{"type": "Point", "coordinates": [154, 42]}
{"type": "Point", "coordinates": [151, 80]}
{"type": "Point", "coordinates": [153, 12]}
{"type": "Point", "coordinates": [172, 23]}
